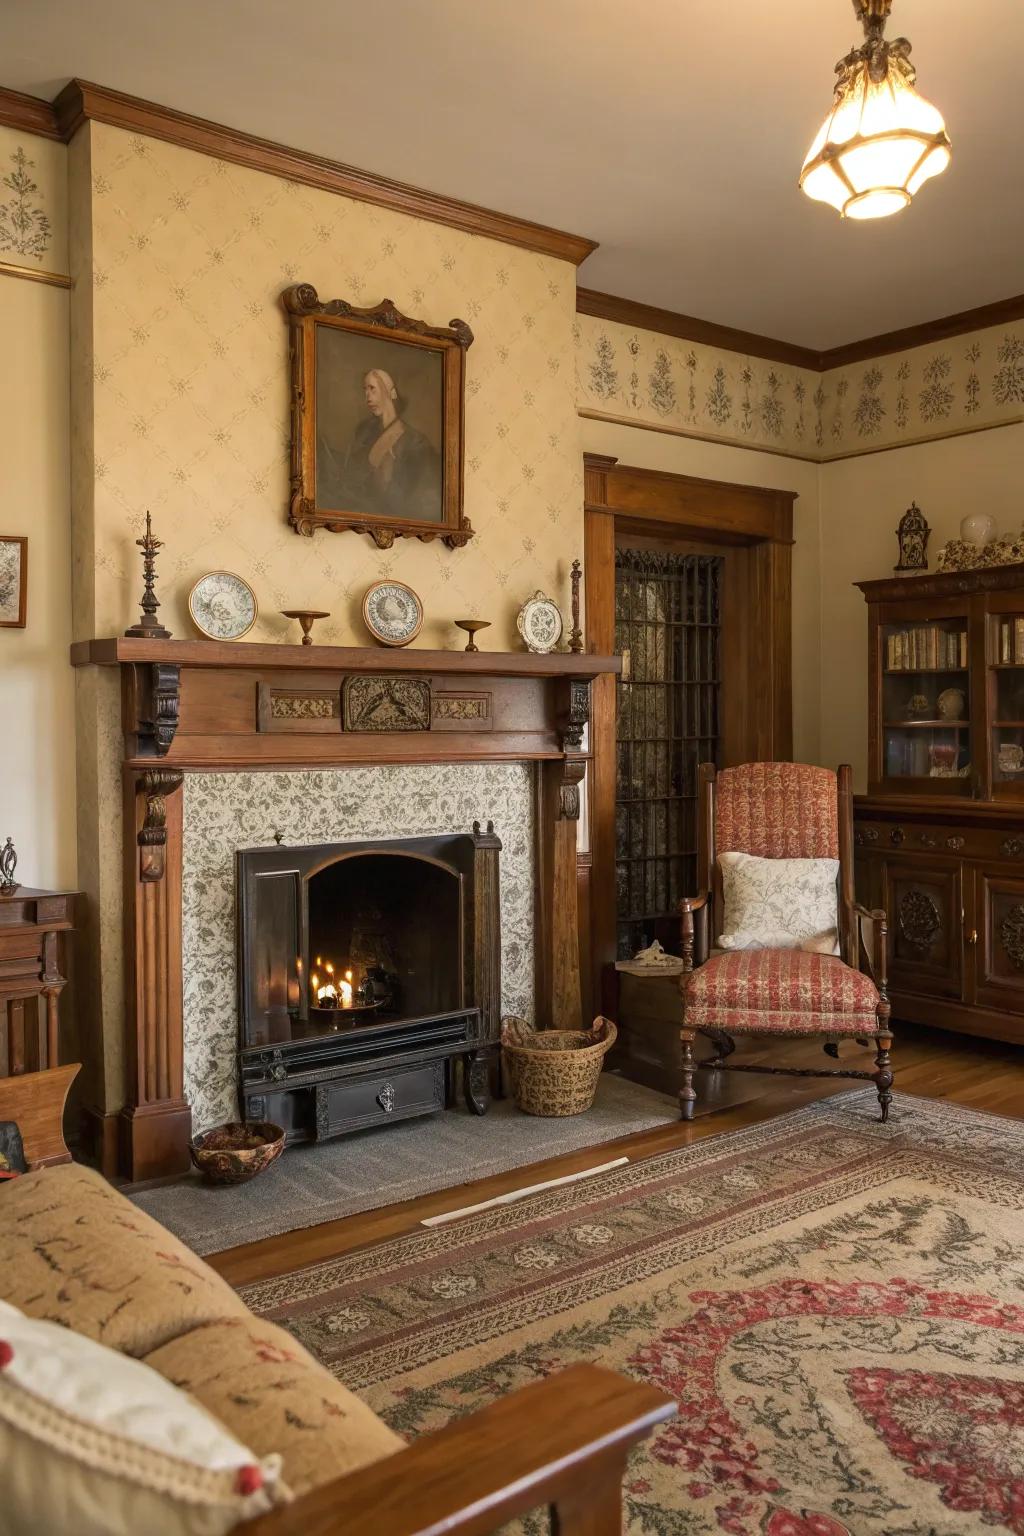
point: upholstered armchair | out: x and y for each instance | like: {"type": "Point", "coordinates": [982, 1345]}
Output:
{"type": "Point", "coordinates": [780, 811]}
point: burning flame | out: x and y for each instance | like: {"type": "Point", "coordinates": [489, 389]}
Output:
{"type": "Point", "coordinates": [332, 992]}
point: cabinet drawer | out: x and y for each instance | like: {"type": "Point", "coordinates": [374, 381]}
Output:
{"type": "Point", "coordinates": [354, 1103]}
{"type": "Point", "coordinates": [934, 837]}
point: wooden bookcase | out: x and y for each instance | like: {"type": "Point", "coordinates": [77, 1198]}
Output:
{"type": "Point", "coordinates": [940, 834]}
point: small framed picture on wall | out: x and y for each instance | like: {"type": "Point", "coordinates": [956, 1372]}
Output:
{"type": "Point", "coordinates": [13, 580]}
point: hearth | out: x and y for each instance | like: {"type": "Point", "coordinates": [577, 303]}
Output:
{"type": "Point", "coordinates": [367, 972]}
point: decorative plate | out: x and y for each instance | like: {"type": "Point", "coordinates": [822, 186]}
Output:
{"type": "Point", "coordinates": [392, 613]}
{"type": "Point", "coordinates": [540, 624]}
{"type": "Point", "coordinates": [223, 606]}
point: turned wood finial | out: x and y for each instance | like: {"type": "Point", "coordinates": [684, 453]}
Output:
{"type": "Point", "coordinates": [149, 626]}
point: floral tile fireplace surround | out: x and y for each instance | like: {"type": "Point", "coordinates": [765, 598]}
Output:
{"type": "Point", "coordinates": [233, 746]}
{"type": "Point", "coordinates": [224, 812]}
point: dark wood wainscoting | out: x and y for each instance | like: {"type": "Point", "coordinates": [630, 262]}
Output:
{"type": "Point", "coordinates": [752, 530]}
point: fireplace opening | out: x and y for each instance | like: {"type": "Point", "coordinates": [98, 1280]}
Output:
{"type": "Point", "coordinates": [365, 972]}
{"type": "Point", "coordinates": [385, 939]}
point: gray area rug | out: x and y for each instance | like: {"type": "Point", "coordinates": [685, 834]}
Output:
{"type": "Point", "coordinates": [312, 1184]}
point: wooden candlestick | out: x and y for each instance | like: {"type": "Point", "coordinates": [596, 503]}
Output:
{"type": "Point", "coordinates": [149, 626]}
{"type": "Point", "coordinates": [471, 626]}
{"type": "Point", "coordinates": [576, 637]}
{"type": "Point", "coordinates": [306, 617]}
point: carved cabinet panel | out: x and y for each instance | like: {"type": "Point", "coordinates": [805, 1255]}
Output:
{"type": "Point", "coordinates": [999, 908]}
{"type": "Point", "coordinates": [924, 903]}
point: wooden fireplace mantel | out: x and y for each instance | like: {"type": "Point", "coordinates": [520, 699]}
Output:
{"type": "Point", "coordinates": [222, 704]}
{"type": "Point", "coordinates": [208, 706]}
{"type": "Point", "coordinates": [337, 658]}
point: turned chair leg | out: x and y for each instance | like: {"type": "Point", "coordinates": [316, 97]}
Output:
{"type": "Point", "coordinates": [687, 1094]}
{"type": "Point", "coordinates": [883, 1071]}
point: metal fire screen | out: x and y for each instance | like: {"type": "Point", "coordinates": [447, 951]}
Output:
{"type": "Point", "coordinates": [667, 629]}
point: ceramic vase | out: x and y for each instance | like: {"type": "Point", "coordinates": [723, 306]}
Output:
{"type": "Point", "coordinates": [978, 528]}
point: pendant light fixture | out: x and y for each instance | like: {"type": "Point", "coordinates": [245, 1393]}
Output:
{"type": "Point", "coordinates": [881, 141]}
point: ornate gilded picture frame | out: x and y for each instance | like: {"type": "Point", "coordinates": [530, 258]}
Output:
{"type": "Point", "coordinates": [377, 404]}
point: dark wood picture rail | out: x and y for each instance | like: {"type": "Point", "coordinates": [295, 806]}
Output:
{"type": "Point", "coordinates": [208, 705]}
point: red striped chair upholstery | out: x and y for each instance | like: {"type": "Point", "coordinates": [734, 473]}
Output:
{"type": "Point", "coordinates": [780, 811]}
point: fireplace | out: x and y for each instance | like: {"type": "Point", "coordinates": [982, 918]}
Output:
{"type": "Point", "coordinates": [367, 973]}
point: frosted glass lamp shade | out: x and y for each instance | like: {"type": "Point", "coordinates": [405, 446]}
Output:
{"type": "Point", "coordinates": [878, 146]}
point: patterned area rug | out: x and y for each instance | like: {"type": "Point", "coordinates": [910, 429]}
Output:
{"type": "Point", "coordinates": [837, 1305]}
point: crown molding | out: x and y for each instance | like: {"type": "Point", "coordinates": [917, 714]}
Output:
{"type": "Point", "coordinates": [28, 114]}
{"type": "Point", "coordinates": [608, 306]}
{"type": "Point", "coordinates": [81, 102]}
{"type": "Point", "coordinates": [1003, 312]}
{"type": "Point", "coordinates": [647, 317]}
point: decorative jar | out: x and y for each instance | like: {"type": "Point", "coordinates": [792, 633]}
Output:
{"type": "Point", "coordinates": [978, 528]}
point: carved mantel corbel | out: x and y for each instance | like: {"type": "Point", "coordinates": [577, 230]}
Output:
{"type": "Point", "coordinates": [155, 784]}
{"type": "Point", "coordinates": [158, 687]}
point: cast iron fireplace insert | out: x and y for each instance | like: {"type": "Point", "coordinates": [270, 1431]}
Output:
{"type": "Point", "coordinates": [366, 971]}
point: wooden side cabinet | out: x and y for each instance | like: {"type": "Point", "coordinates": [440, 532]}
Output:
{"type": "Point", "coordinates": [940, 835]}
{"type": "Point", "coordinates": [952, 883]}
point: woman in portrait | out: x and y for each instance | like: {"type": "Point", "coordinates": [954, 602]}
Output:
{"type": "Point", "coordinates": [389, 468]}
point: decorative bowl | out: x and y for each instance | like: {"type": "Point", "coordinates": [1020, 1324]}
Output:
{"type": "Point", "coordinates": [235, 1153]}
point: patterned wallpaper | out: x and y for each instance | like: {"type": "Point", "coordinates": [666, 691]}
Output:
{"type": "Point", "coordinates": [646, 379]}
{"type": "Point", "coordinates": [33, 202]}
{"type": "Point", "coordinates": [227, 811]}
{"type": "Point", "coordinates": [190, 396]}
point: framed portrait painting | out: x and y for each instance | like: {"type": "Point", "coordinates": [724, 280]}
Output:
{"type": "Point", "coordinates": [377, 421]}
{"type": "Point", "coordinates": [13, 580]}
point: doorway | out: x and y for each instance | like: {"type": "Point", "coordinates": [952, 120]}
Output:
{"type": "Point", "coordinates": [689, 581]}
{"type": "Point", "coordinates": [668, 621]}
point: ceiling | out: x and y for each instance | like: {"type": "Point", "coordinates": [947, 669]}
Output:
{"type": "Point", "coordinates": [671, 131]}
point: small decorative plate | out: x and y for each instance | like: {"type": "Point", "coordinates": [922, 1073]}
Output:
{"type": "Point", "coordinates": [392, 613]}
{"type": "Point", "coordinates": [223, 606]}
{"type": "Point", "coordinates": [540, 624]}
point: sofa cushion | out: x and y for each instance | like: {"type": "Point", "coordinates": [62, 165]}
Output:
{"type": "Point", "coordinates": [97, 1444]}
{"type": "Point", "coordinates": [75, 1251]}
{"type": "Point", "coordinates": [273, 1395]}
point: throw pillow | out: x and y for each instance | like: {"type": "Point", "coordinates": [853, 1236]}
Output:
{"type": "Point", "coordinates": [96, 1443]}
{"type": "Point", "coordinates": [779, 903]}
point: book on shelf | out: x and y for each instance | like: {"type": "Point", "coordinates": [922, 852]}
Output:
{"type": "Point", "coordinates": [928, 647]}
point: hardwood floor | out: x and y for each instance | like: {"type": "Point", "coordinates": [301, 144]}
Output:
{"type": "Point", "coordinates": [981, 1074]}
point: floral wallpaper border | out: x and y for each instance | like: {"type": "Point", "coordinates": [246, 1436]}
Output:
{"type": "Point", "coordinates": [227, 811]}
{"type": "Point", "coordinates": [33, 204]}
{"type": "Point", "coordinates": [965, 384]}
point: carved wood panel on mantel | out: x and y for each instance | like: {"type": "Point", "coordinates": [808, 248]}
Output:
{"type": "Point", "coordinates": [209, 706]}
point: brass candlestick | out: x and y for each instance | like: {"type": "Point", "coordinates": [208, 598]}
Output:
{"type": "Point", "coordinates": [472, 626]}
{"type": "Point", "coordinates": [576, 637]}
{"type": "Point", "coordinates": [149, 626]}
{"type": "Point", "coordinates": [306, 617]}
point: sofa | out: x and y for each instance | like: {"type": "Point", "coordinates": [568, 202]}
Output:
{"type": "Point", "coordinates": [75, 1251]}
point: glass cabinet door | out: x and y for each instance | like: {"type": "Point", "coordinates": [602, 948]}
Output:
{"type": "Point", "coordinates": [926, 701]}
{"type": "Point", "coordinates": [1006, 696]}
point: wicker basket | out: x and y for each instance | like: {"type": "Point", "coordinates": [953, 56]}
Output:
{"type": "Point", "coordinates": [555, 1071]}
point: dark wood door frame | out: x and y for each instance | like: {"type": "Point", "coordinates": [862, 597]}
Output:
{"type": "Point", "coordinates": [619, 499]}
